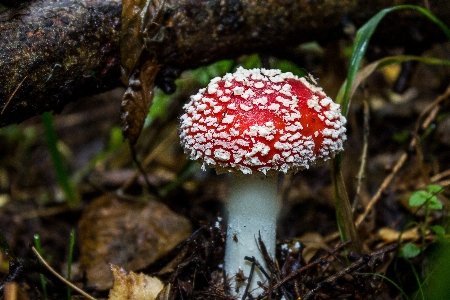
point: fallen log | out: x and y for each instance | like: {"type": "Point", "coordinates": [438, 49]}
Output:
{"type": "Point", "coordinates": [53, 52]}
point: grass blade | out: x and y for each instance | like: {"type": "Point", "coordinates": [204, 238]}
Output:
{"type": "Point", "coordinates": [361, 43]}
{"type": "Point", "coordinates": [390, 281]}
{"type": "Point", "coordinates": [58, 164]}
{"type": "Point", "coordinates": [69, 261]}
{"type": "Point", "coordinates": [344, 215]}
{"type": "Point", "coordinates": [37, 243]}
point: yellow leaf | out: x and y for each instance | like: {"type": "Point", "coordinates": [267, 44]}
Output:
{"type": "Point", "coordinates": [389, 235]}
{"type": "Point", "coordinates": [133, 286]}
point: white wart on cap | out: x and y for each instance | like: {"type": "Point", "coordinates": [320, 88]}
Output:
{"type": "Point", "coordinates": [261, 120]}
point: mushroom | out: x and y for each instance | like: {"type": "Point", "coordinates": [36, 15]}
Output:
{"type": "Point", "coordinates": [255, 124]}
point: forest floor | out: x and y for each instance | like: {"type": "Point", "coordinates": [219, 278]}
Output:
{"type": "Point", "coordinates": [170, 224]}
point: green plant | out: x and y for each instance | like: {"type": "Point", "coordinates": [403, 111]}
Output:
{"type": "Point", "coordinates": [37, 243]}
{"type": "Point", "coordinates": [427, 200]}
{"type": "Point", "coordinates": [435, 286]}
{"type": "Point", "coordinates": [69, 261]}
{"type": "Point", "coordinates": [59, 166]}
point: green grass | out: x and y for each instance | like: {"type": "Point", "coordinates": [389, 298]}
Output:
{"type": "Point", "coordinates": [69, 261]}
{"type": "Point", "coordinates": [59, 165]}
{"type": "Point", "coordinates": [37, 243]}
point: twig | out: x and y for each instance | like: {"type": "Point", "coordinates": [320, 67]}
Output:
{"type": "Point", "coordinates": [254, 261]}
{"type": "Point", "coordinates": [12, 95]}
{"type": "Point", "coordinates": [250, 276]}
{"type": "Point", "coordinates": [328, 281]}
{"type": "Point", "coordinates": [311, 264]}
{"type": "Point", "coordinates": [150, 157]}
{"type": "Point", "coordinates": [226, 287]}
{"type": "Point", "coordinates": [386, 182]}
{"type": "Point", "coordinates": [214, 295]}
{"type": "Point", "coordinates": [17, 268]}
{"type": "Point", "coordinates": [41, 259]}
{"type": "Point", "coordinates": [362, 167]}
{"type": "Point", "coordinates": [428, 115]}
{"type": "Point", "coordinates": [274, 270]}
{"type": "Point", "coordinates": [361, 262]}
{"type": "Point", "coordinates": [44, 212]}
{"type": "Point", "coordinates": [443, 182]}
{"type": "Point", "coordinates": [441, 175]}
{"type": "Point", "coordinates": [141, 170]}
{"type": "Point", "coordinates": [268, 260]}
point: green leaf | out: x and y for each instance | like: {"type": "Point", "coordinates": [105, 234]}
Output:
{"type": "Point", "coordinates": [424, 197]}
{"type": "Point", "coordinates": [115, 139]}
{"type": "Point", "coordinates": [344, 215]}
{"type": "Point", "coordinates": [59, 166]}
{"type": "Point", "coordinates": [220, 68]}
{"type": "Point", "coordinates": [203, 75]}
{"type": "Point", "coordinates": [434, 203]}
{"type": "Point", "coordinates": [37, 243]}
{"type": "Point", "coordinates": [436, 285]}
{"type": "Point", "coordinates": [288, 66]}
{"type": "Point", "coordinates": [252, 61]}
{"type": "Point", "coordinates": [435, 189]}
{"type": "Point", "coordinates": [159, 106]}
{"type": "Point", "coordinates": [438, 229]}
{"type": "Point", "coordinates": [410, 250]}
{"type": "Point", "coordinates": [419, 198]}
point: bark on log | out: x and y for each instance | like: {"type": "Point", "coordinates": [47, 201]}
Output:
{"type": "Point", "coordinates": [52, 52]}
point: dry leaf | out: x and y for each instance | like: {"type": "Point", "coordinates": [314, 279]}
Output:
{"type": "Point", "coordinates": [136, 15]}
{"type": "Point", "coordinates": [133, 286]}
{"type": "Point", "coordinates": [139, 65]}
{"type": "Point", "coordinates": [313, 241]}
{"type": "Point", "coordinates": [389, 235]}
{"type": "Point", "coordinates": [137, 98]}
{"type": "Point", "coordinates": [126, 233]}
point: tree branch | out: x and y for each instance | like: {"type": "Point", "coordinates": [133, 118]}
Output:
{"type": "Point", "coordinates": [65, 49]}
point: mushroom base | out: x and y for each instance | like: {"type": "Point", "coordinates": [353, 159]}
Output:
{"type": "Point", "coordinates": [252, 210]}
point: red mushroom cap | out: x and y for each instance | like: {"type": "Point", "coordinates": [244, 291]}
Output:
{"type": "Point", "coordinates": [261, 120]}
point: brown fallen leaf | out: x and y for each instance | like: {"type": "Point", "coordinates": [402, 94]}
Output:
{"type": "Point", "coordinates": [139, 62]}
{"type": "Point", "coordinates": [136, 15]}
{"type": "Point", "coordinates": [133, 286]}
{"type": "Point", "coordinates": [126, 233]}
{"type": "Point", "coordinates": [137, 98]}
{"type": "Point", "coordinates": [389, 235]}
{"type": "Point", "coordinates": [313, 241]}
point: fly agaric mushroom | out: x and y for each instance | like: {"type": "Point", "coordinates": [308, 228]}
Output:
{"type": "Point", "coordinates": [257, 123]}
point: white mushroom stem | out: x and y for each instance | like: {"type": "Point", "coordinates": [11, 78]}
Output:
{"type": "Point", "coordinates": [252, 210]}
